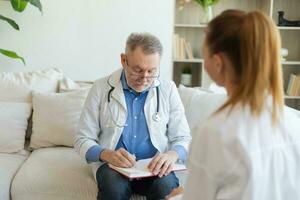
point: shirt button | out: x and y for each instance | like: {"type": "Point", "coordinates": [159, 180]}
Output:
{"type": "Point", "coordinates": [135, 117]}
{"type": "Point", "coordinates": [134, 136]}
{"type": "Point", "coordinates": [136, 99]}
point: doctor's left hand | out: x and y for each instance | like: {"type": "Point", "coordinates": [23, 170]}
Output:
{"type": "Point", "coordinates": [162, 163]}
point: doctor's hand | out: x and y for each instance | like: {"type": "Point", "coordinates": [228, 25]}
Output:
{"type": "Point", "coordinates": [162, 164]}
{"type": "Point", "coordinates": [118, 158]}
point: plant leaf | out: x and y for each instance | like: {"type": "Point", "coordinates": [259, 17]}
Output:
{"type": "Point", "coordinates": [18, 5]}
{"type": "Point", "coordinates": [10, 21]}
{"type": "Point", "coordinates": [206, 3]}
{"type": "Point", "coordinates": [12, 54]}
{"type": "Point", "coordinates": [36, 3]}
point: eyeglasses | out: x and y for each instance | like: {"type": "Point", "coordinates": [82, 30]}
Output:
{"type": "Point", "coordinates": [140, 73]}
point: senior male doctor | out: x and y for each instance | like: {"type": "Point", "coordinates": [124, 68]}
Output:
{"type": "Point", "coordinates": [132, 115]}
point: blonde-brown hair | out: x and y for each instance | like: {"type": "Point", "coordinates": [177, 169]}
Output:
{"type": "Point", "coordinates": [252, 43]}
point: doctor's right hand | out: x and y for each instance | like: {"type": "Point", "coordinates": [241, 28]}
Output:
{"type": "Point", "coordinates": [118, 158]}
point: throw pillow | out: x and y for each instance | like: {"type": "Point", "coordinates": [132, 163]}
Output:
{"type": "Point", "coordinates": [199, 104]}
{"type": "Point", "coordinates": [17, 86]}
{"type": "Point", "coordinates": [13, 123]}
{"type": "Point", "coordinates": [55, 118]}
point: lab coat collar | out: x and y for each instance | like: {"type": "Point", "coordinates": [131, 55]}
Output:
{"type": "Point", "coordinates": [115, 82]}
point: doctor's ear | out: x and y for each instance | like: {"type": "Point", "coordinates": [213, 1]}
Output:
{"type": "Point", "coordinates": [123, 59]}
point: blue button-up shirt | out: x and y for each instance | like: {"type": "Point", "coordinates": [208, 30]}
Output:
{"type": "Point", "coordinates": [135, 137]}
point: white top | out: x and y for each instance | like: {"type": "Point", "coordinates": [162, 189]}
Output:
{"type": "Point", "coordinates": [237, 156]}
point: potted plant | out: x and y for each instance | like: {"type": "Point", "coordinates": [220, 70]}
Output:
{"type": "Point", "coordinates": [207, 9]}
{"type": "Point", "coordinates": [186, 76]}
{"type": "Point", "coordinates": [19, 6]}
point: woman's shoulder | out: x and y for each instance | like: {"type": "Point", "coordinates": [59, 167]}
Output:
{"type": "Point", "coordinates": [224, 125]}
{"type": "Point", "coordinates": [226, 117]}
{"type": "Point", "coordinates": [239, 125]}
{"type": "Point", "coordinates": [215, 143]}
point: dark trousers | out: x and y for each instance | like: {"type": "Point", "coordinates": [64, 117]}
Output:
{"type": "Point", "coordinates": [114, 186]}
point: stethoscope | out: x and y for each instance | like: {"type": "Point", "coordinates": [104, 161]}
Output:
{"type": "Point", "coordinates": [155, 116]}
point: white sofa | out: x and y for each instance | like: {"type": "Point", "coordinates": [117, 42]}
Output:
{"type": "Point", "coordinates": [47, 167]}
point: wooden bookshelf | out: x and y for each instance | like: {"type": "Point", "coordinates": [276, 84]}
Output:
{"type": "Point", "coordinates": [292, 97]}
{"type": "Point", "coordinates": [195, 60]}
{"type": "Point", "coordinates": [187, 24]}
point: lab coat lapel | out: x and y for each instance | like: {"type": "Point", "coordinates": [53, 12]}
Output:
{"type": "Point", "coordinates": [151, 104]}
{"type": "Point", "coordinates": [118, 93]}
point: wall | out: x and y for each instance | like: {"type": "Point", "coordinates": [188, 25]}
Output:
{"type": "Point", "coordinates": [84, 38]}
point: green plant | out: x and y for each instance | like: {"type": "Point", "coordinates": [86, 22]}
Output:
{"type": "Point", "coordinates": [187, 70]}
{"type": "Point", "coordinates": [206, 3]}
{"type": "Point", "coordinates": [19, 6]}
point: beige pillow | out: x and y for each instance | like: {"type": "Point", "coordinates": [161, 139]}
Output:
{"type": "Point", "coordinates": [55, 118]}
{"type": "Point", "coordinates": [13, 124]}
{"type": "Point", "coordinates": [199, 104]}
{"type": "Point", "coordinates": [17, 87]}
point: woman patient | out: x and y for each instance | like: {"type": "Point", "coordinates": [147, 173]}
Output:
{"type": "Point", "coordinates": [249, 148]}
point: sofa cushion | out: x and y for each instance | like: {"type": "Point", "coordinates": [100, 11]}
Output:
{"type": "Point", "coordinates": [54, 173]}
{"type": "Point", "coordinates": [57, 173]}
{"type": "Point", "coordinates": [17, 87]}
{"type": "Point", "coordinates": [13, 123]}
{"type": "Point", "coordinates": [9, 165]}
{"type": "Point", "coordinates": [55, 118]}
{"type": "Point", "coordinates": [199, 103]}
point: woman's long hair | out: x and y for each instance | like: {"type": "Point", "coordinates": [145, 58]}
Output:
{"type": "Point", "coordinates": [252, 43]}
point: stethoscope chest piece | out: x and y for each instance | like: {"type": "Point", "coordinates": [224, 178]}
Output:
{"type": "Point", "coordinates": [156, 117]}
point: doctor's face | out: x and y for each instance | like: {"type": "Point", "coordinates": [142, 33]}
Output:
{"type": "Point", "coordinates": [140, 69]}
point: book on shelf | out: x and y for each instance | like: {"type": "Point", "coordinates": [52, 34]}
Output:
{"type": "Point", "coordinates": [181, 48]}
{"type": "Point", "coordinates": [188, 50]}
{"type": "Point", "coordinates": [140, 170]}
{"type": "Point", "coordinates": [175, 45]}
{"type": "Point", "coordinates": [293, 88]}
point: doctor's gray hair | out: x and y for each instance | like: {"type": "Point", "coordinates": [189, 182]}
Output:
{"type": "Point", "coordinates": [149, 43]}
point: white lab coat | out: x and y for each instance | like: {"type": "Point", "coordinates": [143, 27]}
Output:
{"type": "Point", "coordinates": [96, 125]}
{"type": "Point", "coordinates": [236, 156]}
